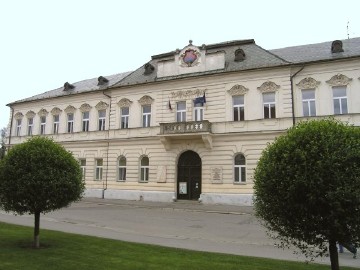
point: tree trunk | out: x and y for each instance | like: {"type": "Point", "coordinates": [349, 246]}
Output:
{"type": "Point", "coordinates": [37, 230]}
{"type": "Point", "coordinates": [334, 258]}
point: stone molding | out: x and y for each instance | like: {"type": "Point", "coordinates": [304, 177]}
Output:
{"type": "Point", "coordinates": [56, 111]}
{"type": "Point", "coordinates": [268, 87]}
{"type": "Point", "coordinates": [238, 89]}
{"type": "Point", "coordinates": [146, 100]}
{"type": "Point", "coordinates": [85, 107]}
{"type": "Point", "coordinates": [101, 106]}
{"type": "Point", "coordinates": [308, 83]}
{"type": "Point", "coordinates": [184, 94]}
{"type": "Point", "coordinates": [339, 80]}
{"type": "Point", "coordinates": [30, 114]}
{"type": "Point", "coordinates": [18, 115]}
{"type": "Point", "coordinates": [124, 102]}
{"type": "Point", "coordinates": [70, 109]}
{"type": "Point", "coordinates": [43, 112]}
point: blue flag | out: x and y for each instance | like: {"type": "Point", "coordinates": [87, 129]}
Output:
{"type": "Point", "coordinates": [199, 100]}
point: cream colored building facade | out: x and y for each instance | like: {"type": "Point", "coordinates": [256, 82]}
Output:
{"type": "Point", "coordinates": [191, 124]}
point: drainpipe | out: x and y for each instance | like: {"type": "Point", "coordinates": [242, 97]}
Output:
{"type": "Point", "coordinates": [292, 94]}
{"type": "Point", "coordinates": [107, 150]}
{"type": "Point", "coordinates": [11, 124]}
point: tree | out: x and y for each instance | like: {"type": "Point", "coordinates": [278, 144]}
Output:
{"type": "Point", "coordinates": [307, 187]}
{"type": "Point", "coordinates": [39, 176]}
{"type": "Point", "coordinates": [2, 143]}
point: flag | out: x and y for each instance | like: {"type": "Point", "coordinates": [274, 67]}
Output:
{"type": "Point", "coordinates": [169, 105]}
{"type": "Point", "coordinates": [201, 100]}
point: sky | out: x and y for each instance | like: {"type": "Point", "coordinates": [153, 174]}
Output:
{"type": "Point", "coordinates": [47, 43]}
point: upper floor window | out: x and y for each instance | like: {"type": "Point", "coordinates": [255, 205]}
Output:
{"type": "Point", "coordinates": [269, 105]}
{"type": "Point", "coordinates": [70, 122]}
{"type": "Point", "coordinates": [125, 117]}
{"type": "Point", "coordinates": [18, 127]}
{"type": "Point", "coordinates": [238, 108]}
{"type": "Point", "coordinates": [146, 115]}
{"type": "Point", "coordinates": [85, 121]}
{"type": "Point", "coordinates": [102, 117]}
{"type": "Point", "coordinates": [56, 124]}
{"type": "Point", "coordinates": [122, 168]}
{"type": "Point", "coordinates": [42, 124]}
{"type": "Point", "coordinates": [239, 169]}
{"type": "Point", "coordinates": [340, 100]}
{"type": "Point", "coordinates": [308, 102]}
{"type": "Point", "coordinates": [198, 112]}
{"type": "Point", "coordinates": [83, 167]}
{"type": "Point", "coordinates": [30, 126]}
{"type": "Point", "coordinates": [181, 111]}
{"type": "Point", "coordinates": [144, 169]}
{"type": "Point", "coordinates": [98, 169]}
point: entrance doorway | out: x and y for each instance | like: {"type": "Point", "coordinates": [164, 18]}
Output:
{"type": "Point", "coordinates": [189, 176]}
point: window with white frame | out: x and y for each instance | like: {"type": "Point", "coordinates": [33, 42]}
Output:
{"type": "Point", "coordinates": [269, 105]}
{"type": "Point", "coordinates": [56, 124]}
{"type": "Point", "coordinates": [146, 115]}
{"type": "Point", "coordinates": [308, 102]}
{"type": "Point", "coordinates": [85, 121]}
{"type": "Point", "coordinates": [30, 126]}
{"type": "Point", "coordinates": [239, 169]}
{"type": "Point", "coordinates": [83, 167]}
{"type": "Point", "coordinates": [198, 112]}
{"type": "Point", "coordinates": [42, 124]}
{"type": "Point", "coordinates": [18, 127]}
{"type": "Point", "coordinates": [125, 117]}
{"type": "Point", "coordinates": [70, 122]}
{"type": "Point", "coordinates": [181, 111]}
{"type": "Point", "coordinates": [122, 168]}
{"type": "Point", "coordinates": [340, 100]}
{"type": "Point", "coordinates": [102, 117]}
{"type": "Point", "coordinates": [99, 169]}
{"type": "Point", "coordinates": [238, 108]}
{"type": "Point", "coordinates": [144, 169]}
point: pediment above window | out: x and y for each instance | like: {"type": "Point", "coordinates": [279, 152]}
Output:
{"type": "Point", "coordinates": [18, 115]}
{"type": "Point", "coordinates": [268, 87]}
{"type": "Point", "coordinates": [339, 80]}
{"type": "Point", "coordinates": [124, 102]}
{"type": "Point", "coordinates": [146, 100]}
{"type": "Point", "coordinates": [185, 94]}
{"type": "Point", "coordinates": [308, 83]}
{"type": "Point", "coordinates": [101, 106]}
{"type": "Point", "coordinates": [43, 112]}
{"type": "Point", "coordinates": [30, 114]}
{"type": "Point", "coordinates": [70, 109]}
{"type": "Point", "coordinates": [238, 89]}
{"type": "Point", "coordinates": [85, 107]}
{"type": "Point", "coordinates": [56, 111]}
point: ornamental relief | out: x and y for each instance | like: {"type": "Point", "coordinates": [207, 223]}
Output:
{"type": "Point", "coordinates": [308, 83]}
{"type": "Point", "coordinates": [85, 107]}
{"type": "Point", "coordinates": [43, 112]}
{"type": "Point", "coordinates": [70, 109]}
{"type": "Point", "coordinates": [124, 102]}
{"type": "Point", "coordinates": [56, 111]}
{"type": "Point", "coordinates": [268, 87]}
{"type": "Point", "coordinates": [30, 114]}
{"type": "Point", "coordinates": [146, 100]}
{"type": "Point", "coordinates": [339, 80]}
{"type": "Point", "coordinates": [184, 94]}
{"type": "Point", "coordinates": [101, 106]}
{"type": "Point", "coordinates": [18, 115]}
{"type": "Point", "coordinates": [238, 90]}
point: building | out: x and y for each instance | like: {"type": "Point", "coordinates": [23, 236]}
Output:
{"type": "Point", "coordinates": [191, 124]}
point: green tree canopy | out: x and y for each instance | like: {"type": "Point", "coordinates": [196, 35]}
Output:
{"type": "Point", "coordinates": [307, 187]}
{"type": "Point", "coordinates": [39, 176]}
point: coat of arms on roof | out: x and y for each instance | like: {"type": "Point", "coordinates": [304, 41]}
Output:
{"type": "Point", "coordinates": [190, 57]}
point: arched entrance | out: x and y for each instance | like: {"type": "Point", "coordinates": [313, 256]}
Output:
{"type": "Point", "coordinates": [189, 176]}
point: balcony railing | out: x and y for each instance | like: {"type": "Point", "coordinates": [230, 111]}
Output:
{"type": "Point", "coordinates": [185, 127]}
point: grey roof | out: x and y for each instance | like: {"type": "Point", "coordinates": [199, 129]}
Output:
{"type": "Point", "coordinates": [319, 51]}
{"type": "Point", "coordinates": [79, 87]}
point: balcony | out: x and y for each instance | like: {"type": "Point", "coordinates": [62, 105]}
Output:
{"type": "Point", "coordinates": [186, 130]}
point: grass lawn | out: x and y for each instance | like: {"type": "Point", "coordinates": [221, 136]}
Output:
{"type": "Point", "coordinates": [70, 251]}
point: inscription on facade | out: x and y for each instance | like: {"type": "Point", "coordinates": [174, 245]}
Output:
{"type": "Point", "coordinates": [216, 175]}
{"type": "Point", "coordinates": [161, 174]}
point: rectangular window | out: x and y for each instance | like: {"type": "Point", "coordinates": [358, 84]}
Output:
{"type": "Point", "coordinates": [240, 175]}
{"type": "Point", "coordinates": [102, 117]}
{"type": "Point", "coordinates": [18, 127]}
{"type": "Point", "coordinates": [85, 121]}
{"type": "Point", "coordinates": [122, 169]}
{"type": "Point", "coordinates": [269, 105]}
{"type": "Point", "coordinates": [340, 100]}
{"type": "Point", "coordinates": [56, 124]}
{"type": "Point", "coordinates": [308, 102]}
{"type": "Point", "coordinates": [198, 112]}
{"type": "Point", "coordinates": [99, 169]}
{"type": "Point", "coordinates": [83, 167]}
{"type": "Point", "coordinates": [125, 117]}
{"type": "Point", "coordinates": [42, 124]}
{"type": "Point", "coordinates": [181, 111]}
{"type": "Point", "coordinates": [70, 123]}
{"type": "Point", "coordinates": [30, 126]}
{"type": "Point", "coordinates": [146, 112]}
{"type": "Point", "coordinates": [238, 108]}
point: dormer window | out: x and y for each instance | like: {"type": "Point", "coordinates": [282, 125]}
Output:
{"type": "Point", "coordinates": [149, 68]}
{"type": "Point", "coordinates": [68, 86]}
{"type": "Point", "coordinates": [239, 55]}
{"type": "Point", "coordinates": [102, 80]}
{"type": "Point", "coordinates": [337, 46]}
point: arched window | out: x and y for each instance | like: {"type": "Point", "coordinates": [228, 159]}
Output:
{"type": "Point", "coordinates": [122, 168]}
{"type": "Point", "coordinates": [239, 169]}
{"type": "Point", "coordinates": [144, 169]}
